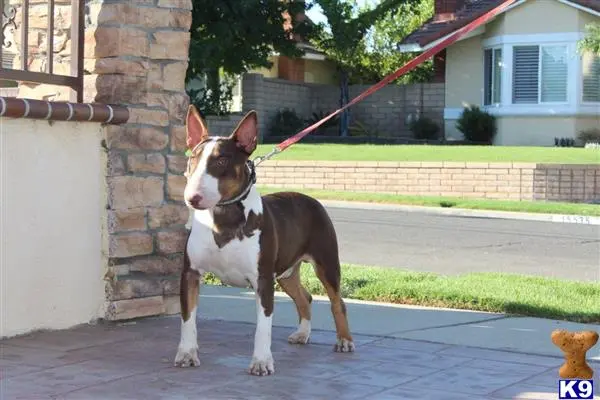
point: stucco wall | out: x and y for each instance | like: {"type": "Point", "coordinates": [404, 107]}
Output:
{"type": "Point", "coordinates": [536, 16]}
{"type": "Point", "coordinates": [464, 73]}
{"type": "Point", "coordinates": [53, 196]}
{"type": "Point", "coordinates": [464, 79]}
{"type": "Point", "coordinates": [272, 72]}
{"type": "Point", "coordinates": [464, 62]}
{"type": "Point", "coordinates": [585, 18]}
{"type": "Point", "coordinates": [534, 131]}
{"type": "Point", "coordinates": [316, 71]}
{"type": "Point", "coordinates": [586, 123]}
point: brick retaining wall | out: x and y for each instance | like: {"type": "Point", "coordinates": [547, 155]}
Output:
{"type": "Point", "coordinates": [507, 181]}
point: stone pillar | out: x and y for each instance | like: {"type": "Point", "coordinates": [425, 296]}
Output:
{"type": "Point", "coordinates": [136, 54]}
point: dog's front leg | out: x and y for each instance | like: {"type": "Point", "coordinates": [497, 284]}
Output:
{"type": "Point", "coordinates": [187, 352]}
{"type": "Point", "coordinates": [262, 359]}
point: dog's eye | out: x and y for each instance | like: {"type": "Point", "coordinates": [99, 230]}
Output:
{"type": "Point", "coordinates": [222, 161]}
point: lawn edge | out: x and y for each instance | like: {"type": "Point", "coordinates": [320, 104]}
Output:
{"type": "Point", "coordinates": [437, 304]}
{"type": "Point", "coordinates": [352, 300]}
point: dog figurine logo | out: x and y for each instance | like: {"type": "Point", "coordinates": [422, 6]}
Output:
{"type": "Point", "coordinates": [575, 345]}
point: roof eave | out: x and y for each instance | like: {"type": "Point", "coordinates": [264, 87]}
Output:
{"type": "Point", "coordinates": [403, 48]}
{"type": "Point", "coordinates": [410, 48]}
{"type": "Point", "coordinates": [580, 7]}
{"type": "Point", "coordinates": [415, 47]}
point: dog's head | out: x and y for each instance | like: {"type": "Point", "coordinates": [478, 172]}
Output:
{"type": "Point", "coordinates": [217, 169]}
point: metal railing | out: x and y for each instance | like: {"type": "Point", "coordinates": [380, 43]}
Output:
{"type": "Point", "coordinates": [75, 79]}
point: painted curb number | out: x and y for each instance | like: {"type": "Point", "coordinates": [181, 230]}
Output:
{"type": "Point", "coordinates": [576, 219]}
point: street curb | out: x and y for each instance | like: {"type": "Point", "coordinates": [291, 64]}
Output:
{"type": "Point", "coordinates": [463, 212]}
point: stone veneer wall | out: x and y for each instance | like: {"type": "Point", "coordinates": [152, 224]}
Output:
{"type": "Point", "coordinates": [136, 55]}
{"type": "Point", "coordinates": [508, 181]}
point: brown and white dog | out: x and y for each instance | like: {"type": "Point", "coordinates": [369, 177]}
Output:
{"type": "Point", "coordinates": [252, 241]}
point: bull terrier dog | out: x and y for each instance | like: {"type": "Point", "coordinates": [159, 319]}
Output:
{"type": "Point", "coordinates": [249, 240]}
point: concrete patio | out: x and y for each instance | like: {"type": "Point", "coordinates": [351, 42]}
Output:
{"type": "Point", "coordinates": [426, 358]}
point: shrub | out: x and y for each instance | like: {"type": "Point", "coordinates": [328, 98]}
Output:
{"type": "Point", "coordinates": [216, 99]}
{"type": "Point", "coordinates": [285, 123]}
{"type": "Point", "coordinates": [564, 142]}
{"type": "Point", "coordinates": [358, 129]}
{"type": "Point", "coordinates": [589, 135]}
{"type": "Point", "coordinates": [477, 125]}
{"type": "Point", "coordinates": [424, 128]}
{"type": "Point", "coordinates": [326, 127]}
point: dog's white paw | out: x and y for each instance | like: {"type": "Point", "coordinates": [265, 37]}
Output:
{"type": "Point", "coordinates": [344, 346]}
{"type": "Point", "coordinates": [302, 334]}
{"type": "Point", "coordinates": [187, 357]}
{"type": "Point", "coordinates": [262, 367]}
{"type": "Point", "coordinates": [299, 337]}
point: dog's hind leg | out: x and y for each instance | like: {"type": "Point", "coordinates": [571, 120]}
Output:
{"type": "Point", "coordinates": [293, 287]}
{"type": "Point", "coordinates": [327, 268]}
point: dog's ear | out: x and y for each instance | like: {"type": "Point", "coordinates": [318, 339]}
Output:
{"type": "Point", "coordinates": [195, 127]}
{"type": "Point", "coordinates": [246, 132]}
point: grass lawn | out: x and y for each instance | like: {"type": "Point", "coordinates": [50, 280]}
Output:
{"type": "Point", "coordinates": [474, 204]}
{"type": "Point", "coordinates": [372, 152]}
{"type": "Point", "coordinates": [495, 292]}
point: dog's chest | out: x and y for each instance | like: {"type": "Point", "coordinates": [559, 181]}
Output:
{"type": "Point", "coordinates": [234, 259]}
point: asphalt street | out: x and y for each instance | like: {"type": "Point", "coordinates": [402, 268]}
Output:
{"type": "Point", "coordinates": [456, 244]}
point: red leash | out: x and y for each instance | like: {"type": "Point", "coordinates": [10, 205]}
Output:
{"type": "Point", "coordinates": [412, 64]}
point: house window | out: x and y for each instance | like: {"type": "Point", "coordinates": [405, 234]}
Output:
{"type": "Point", "coordinates": [591, 78]}
{"type": "Point", "coordinates": [492, 76]}
{"type": "Point", "coordinates": [540, 74]}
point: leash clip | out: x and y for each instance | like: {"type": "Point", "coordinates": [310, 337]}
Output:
{"type": "Point", "coordinates": [270, 154]}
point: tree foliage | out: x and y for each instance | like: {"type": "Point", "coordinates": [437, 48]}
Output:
{"type": "Point", "coordinates": [363, 40]}
{"type": "Point", "coordinates": [379, 55]}
{"type": "Point", "coordinates": [239, 35]}
{"type": "Point", "coordinates": [591, 41]}
{"type": "Point", "coordinates": [230, 37]}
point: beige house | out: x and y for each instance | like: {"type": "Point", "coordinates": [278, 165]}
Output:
{"type": "Point", "coordinates": [523, 67]}
{"type": "Point", "coordinates": [312, 67]}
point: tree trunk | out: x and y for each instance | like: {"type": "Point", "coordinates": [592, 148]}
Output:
{"type": "Point", "coordinates": [344, 99]}
{"type": "Point", "coordinates": [213, 83]}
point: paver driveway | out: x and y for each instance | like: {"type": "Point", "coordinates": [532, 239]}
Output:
{"type": "Point", "coordinates": [134, 361]}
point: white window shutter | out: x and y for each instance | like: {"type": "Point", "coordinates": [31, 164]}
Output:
{"type": "Point", "coordinates": [554, 74]}
{"type": "Point", "coordinates": [591, 78]}
{"type": "Point", "coordinates": [525, 74]}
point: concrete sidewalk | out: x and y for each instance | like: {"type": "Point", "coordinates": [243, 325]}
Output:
{"type": "Point", "coordinates": [456, 327]}
{"type": "Point", "coordinates": [402, 353]}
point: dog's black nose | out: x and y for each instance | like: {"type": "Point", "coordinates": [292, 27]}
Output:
{"type": "Point", "coordinates": [195, 200]}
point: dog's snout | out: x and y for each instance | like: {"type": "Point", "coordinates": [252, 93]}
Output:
{"type": "Point", "coordinates": [195, 200]}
